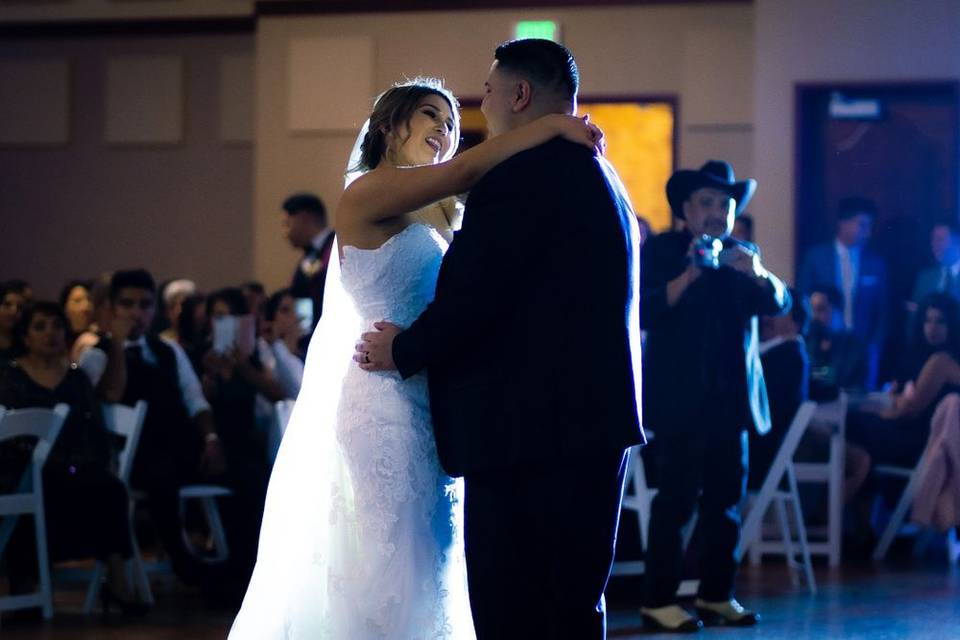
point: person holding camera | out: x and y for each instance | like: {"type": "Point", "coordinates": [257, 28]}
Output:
{"type": "Point", "coordinates": [701, 293]}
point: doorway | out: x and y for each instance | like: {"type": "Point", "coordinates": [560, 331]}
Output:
{"type": "Point", "coordinates": [893, 143]}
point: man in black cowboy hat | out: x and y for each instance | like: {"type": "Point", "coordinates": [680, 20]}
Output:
{"type": "Point", "coordinates": [703, 387]}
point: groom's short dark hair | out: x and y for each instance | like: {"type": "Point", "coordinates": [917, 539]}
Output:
{"type": "Point", "coordinates": [542, 62]}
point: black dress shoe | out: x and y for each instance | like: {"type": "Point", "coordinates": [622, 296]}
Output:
{"type": "Point", "coordinates": [729, 613]}
{"type": "Point", "coordinates": [670, 619]}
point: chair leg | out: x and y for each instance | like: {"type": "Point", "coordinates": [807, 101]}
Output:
{"type": "Point", "coordinates": [801, 530]}
{"type": "Point", "coordinates": [93, 589]}
{"type": "Point", "coordinates": [787, 541]}
{"type": "Point", "coordinates": [896, 519]}
{"type": "Point", "coordinates": [216, 528]}
{"type": "Point", "coordinates": [835, 498]}
{"type": "Point", "coordinates": [43, 563]}
{"type": "Point", "coordinates": [140, 579]}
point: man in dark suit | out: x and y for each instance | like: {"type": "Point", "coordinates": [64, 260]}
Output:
{"type": "Point", "coordinates": [943, 276]}
{"type": "Point", "coordinates": [306, 225]}
{"type": "Point", "coordinates": [858, 274]}
{"type": "Point", "coordinates": [532, 351]}
{"type": "Point", "coordinates": [704, 387]}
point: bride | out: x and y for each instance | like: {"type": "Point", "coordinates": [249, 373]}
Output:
{"type": "Point", "coordinates": [360, 536]}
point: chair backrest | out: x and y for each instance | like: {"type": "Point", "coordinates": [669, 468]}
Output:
{"type": "Point", "coordinates": [42, 424]}
{"type": "Point", "coordinates": [127, 422]}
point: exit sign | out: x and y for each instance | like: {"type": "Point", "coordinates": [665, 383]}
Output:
{"type": "Point", "coordinates": [543, 29]}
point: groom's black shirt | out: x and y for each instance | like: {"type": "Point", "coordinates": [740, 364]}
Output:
{"type": "Point", "coordinates": [527, 344]}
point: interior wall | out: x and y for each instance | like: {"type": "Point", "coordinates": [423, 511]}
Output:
{"type": "Point", "coordinates": [41, 10]}
{"type": "Point", "coordinates": [88, 206]}
{"type": "Point", "coordinates": [701, 53]}
{"type": "Point", "coordinates": [821, 41]}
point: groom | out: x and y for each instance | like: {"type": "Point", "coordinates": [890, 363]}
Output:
{"type": "Point", "coordinates": [532, 350]}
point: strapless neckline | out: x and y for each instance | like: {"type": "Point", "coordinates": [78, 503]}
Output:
{"type": "Point", "coordinates": [388, 241]}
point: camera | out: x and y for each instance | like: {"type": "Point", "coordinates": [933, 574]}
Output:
{"type": "Point", "coordinates": [712, 253]}
{"type": "Point", "coordinates": [706, 252]}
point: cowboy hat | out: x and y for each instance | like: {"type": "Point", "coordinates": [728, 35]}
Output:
{"type": "Point", "coordinates": [715, 174]}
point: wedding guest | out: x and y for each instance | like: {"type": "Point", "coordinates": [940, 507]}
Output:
{"type": "Point", "coordinates": [86, 504]}
{"type": "Point", "coordinates": [306, 227]}
{"type": "Point", "coordinates": [233, 376]}
{"type": "Point", "coordinates": [897, 433]}
{"type": "Point", "coordinates": [858, 273]}
{"type": "Point", "coordinates": [286, 333]}
{"type": "Point", "coordinates": [78, 307]}
{"type": "Point", "coordinates": [100, 303]}
{"type": "Point", "coordinates": [179, 442]}
{"type": "Point", "coordinates": [13, 297]}
{"type": "Point", "coordinates": [172, 295]}
{"type": "Point", "coordinates": [703, 387]}
{"type": "Point", "coordinates": [837, 358]}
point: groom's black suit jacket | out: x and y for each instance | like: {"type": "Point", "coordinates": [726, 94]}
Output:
{"type": "Point", "coordinates": [527, 344]}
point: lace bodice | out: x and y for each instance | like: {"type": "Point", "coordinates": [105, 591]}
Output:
{"type": "Point", "coordinates": [396, 281]}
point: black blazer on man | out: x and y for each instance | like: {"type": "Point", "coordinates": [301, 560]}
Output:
{"type": "Point", "coordinates": [527, 344]}
{"type": "Point", "coordinates": [311, 276]}
{"type": "Point", "coordinates": [704, 349]}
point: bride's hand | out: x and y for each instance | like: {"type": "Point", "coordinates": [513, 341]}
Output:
{"type": "Point", "coordinates": [581, 131]}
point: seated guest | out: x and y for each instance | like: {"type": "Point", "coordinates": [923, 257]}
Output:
{"type": "Point", "coordinates": [86, 504]}
{"type": "Point", "coordinates": [285, 333]}
{"type": "Point", "coordinates": [256, 297]}
{"type": "Point", "coordinates": [13, 296]}
{"type": "Point", "coordinates": [786, 369]}
{"type": "Point", "coordinates": [100, 303]}
{"type": "Point", "coordinates": [77, 304]}
{"type": "Point", "coordinates": [838, 359]}
{"type": "Point", "coordinates": [192, 328]}
{"type": "Point", "coordinates": [172, 295]}
{"type": "Point", "coordinates": [179, 442]}
{"type": "Point", "coordinates": [897, 434]}
{"type": "Point", "coordinates": [233, 376]}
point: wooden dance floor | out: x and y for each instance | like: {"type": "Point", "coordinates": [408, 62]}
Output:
{"type": "Point", "coordinates": [916, 601]}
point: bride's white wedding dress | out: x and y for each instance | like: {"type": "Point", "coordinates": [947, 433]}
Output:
{"type": "Point", "coordinates": [361, 535]}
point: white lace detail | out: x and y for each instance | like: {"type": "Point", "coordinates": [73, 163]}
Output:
{"type": "Point", "coordinates": [394, 568]}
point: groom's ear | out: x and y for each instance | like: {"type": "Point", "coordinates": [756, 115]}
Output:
{"type": "Point", "coordinates": [523, 94]}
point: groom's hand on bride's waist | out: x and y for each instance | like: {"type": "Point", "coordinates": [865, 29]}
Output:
{"type": "Point", "coordinates": [374, 352]}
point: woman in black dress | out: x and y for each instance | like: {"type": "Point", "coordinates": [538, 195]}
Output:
{"type": "Point", "coordinates": [86, 504]}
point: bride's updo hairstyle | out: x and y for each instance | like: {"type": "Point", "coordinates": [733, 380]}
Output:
{"type": "Point", "coordinates": [393, 109]}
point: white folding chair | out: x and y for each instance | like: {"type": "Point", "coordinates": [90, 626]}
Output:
{"type": "Point", "coordinates": [770, 492]}
{"type": "Point", "coordinates": [207, 494]}
{"type": "Point", "coordinates": [44, 425]}
{"type": "Point", "coordinates": [127, 422]}
{"type": "Point", "coordinates": [912, 477]}
{"type": "Point", "coordinates": [282, 410]}
{"type": "Point", "coordinates": [832, 415]}
{"type": "Point", "coordinates": [639, 501]}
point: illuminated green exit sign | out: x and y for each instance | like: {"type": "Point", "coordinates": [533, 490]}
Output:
{"type": "Point", "coordinates": [544, 29]}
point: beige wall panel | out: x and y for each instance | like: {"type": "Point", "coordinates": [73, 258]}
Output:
{"type": "Point", "coordinates": [330, 83]}
{"type": "Point", "coordinates": [823, 40]}
{"type": "Point", "coordinates": [236, 98]}
{"type": "Point", "coordinates": [35, 103]}
{"type": "Point", "coordinates": [145, 100]}
{"type": "Point", "coordinates": [733, 144]}
{"type": "Point", "coordinates": [718, 75]}
{"type": "Point", "coordinates": [621, 51]}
